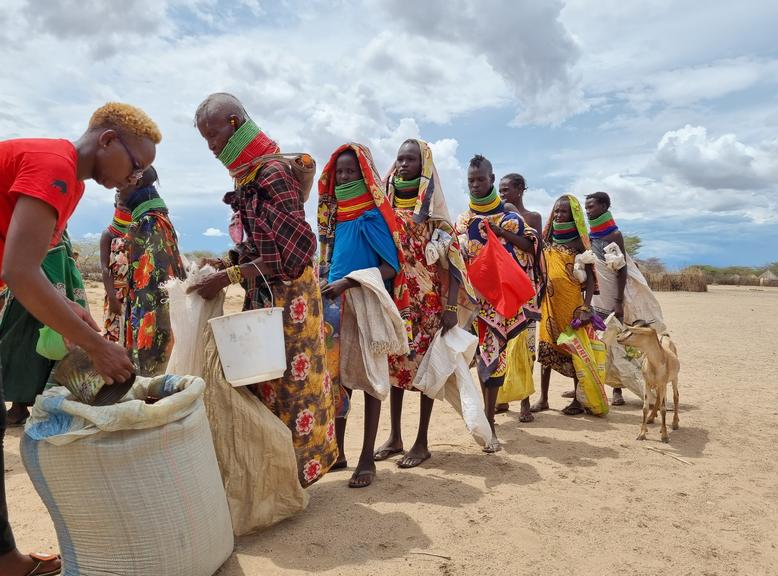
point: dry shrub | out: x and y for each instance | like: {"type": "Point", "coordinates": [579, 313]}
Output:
{"type": "Point", "coordinates": [678, 282]}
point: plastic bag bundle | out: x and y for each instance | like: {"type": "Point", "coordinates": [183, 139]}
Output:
{"type": "Point", "coordinates": [444, 373]}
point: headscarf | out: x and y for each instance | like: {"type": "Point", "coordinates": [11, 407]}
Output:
{"type": "Point", "coordinates": [578, 217]}
{"type": "Point", "coordinates": [431, 207]}
{"type": "Point", "coordinates": [430, 203]}
{"type": "Point", "coordinates": [328, 212]}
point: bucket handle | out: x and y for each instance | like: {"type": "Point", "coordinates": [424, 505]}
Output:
{"type": "Point", "coordinates": [269, 289]}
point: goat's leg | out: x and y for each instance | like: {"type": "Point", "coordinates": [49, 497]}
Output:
{"type": "Point", "coordinates": [654, 409]}
{"type": "Point", "coordinates": [643, 427]}
{"type": "Point", "coordinates": [663, 431]}
{"type": "Point", "coordinates": [675, 403]}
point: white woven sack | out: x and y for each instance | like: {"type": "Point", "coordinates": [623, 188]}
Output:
{"type": "Point", "coordinates": [137, 501]}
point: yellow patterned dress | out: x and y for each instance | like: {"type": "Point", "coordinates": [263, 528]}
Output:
{"type": "Point", "coordinates": [563, 295]}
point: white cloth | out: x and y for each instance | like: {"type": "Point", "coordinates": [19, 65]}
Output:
{"type": "Point", "coordinates": [437, 248]}
{"type": "Point", "coordinates": [372, 324]}
{"type": "Point", "coordinates": [579, 267]}
{"type": "Point", "coordinates": [639, 301]}
{"type": "Point", "coordinates": [444, 372]}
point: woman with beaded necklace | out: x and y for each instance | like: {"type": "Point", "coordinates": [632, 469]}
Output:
{"type": "Point", "coordinates": [274, 240]}
{"type": "Point", "coordinates": [493, 329]}
{"type": "Point", "coordinates": [564, 237]}
{"type": "Point", "coordinates": [357, 231]}
{"type": "Point", "coordinates": [414, 189]}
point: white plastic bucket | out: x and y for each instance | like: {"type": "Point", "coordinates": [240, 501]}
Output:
{"type": "Point", "coordinates": [251, 345]}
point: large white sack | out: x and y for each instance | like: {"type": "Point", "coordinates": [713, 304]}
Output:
{"type": "Point", "coordinates": [135, 501]}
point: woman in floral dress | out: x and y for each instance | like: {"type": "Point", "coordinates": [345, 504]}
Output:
{"type": "Point", "coordinates": [272, 236]}
{"type": "Point", "coordinates": [152, 260]}
{"type": "Point", "coordinates": [114, 264]}
{"type": "Point", "coordinates": [433, 278]}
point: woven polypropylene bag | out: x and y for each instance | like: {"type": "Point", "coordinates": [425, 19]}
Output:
{"type": "Point", "coordinates": [135, 502]}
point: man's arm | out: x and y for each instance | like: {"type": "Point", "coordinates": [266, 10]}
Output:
{"type": "Point", "coordinates": [29, 233]}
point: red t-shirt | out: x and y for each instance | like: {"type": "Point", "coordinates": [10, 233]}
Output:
{"type": "Point", "coordinates": [44, 169]}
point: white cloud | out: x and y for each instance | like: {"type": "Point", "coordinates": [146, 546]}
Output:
{"type": "Point", "coordinates": [693, 174]}
{"type": "Point", "coordinates": [523, 41]}
{"type": "Point", "coordinates": [214, 233]}
{"type": "Point", "coordinates": [717, 163]}
{"type": "Point", "coordinates": [92, 236]}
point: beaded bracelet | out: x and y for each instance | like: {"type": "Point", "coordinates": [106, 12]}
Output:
{"type": "Point", "coordinates": [234, 274]}
{"type": "Point", "coordinates": [452, 308]}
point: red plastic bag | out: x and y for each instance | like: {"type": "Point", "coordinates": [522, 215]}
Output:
{"type": "Point", "coordinates": [499, 278]}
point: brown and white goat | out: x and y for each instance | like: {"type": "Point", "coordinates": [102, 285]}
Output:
{"type": "Point", "coordinates": [660, 366]}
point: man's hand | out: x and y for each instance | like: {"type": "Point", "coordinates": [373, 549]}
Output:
{"type": "Point", "coordinates": [84, 314]}
{"type": "Point", "coordinates": [110, 360]}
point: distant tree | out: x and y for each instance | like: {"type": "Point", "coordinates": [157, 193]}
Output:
{"type": "Point", "coordinates": [652, 265]}
{"type": "Point", "coordinates": [88, 258]}
{"type": "Point", "coordinates": [633, 244]}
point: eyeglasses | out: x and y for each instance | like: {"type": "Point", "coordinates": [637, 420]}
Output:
{"type": "Point", "coordinates": [137, 171]}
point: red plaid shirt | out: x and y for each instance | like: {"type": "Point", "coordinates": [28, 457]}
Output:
{"type": "Point", "coordinates": [273, 218]}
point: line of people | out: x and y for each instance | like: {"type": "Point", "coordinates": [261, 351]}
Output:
{"type": "Point", "coordinates": [398, 225]}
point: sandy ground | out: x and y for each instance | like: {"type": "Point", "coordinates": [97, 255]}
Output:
{"type": "Point", "coordinates": [567, 495]}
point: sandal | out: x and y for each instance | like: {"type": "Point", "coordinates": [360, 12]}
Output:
{"type": "Point", "coordinates": [573, 409]}
{"type": "Point", "coordinates": [40, 568]}
{"type": "Point", "coordinates": [493, 446]}
{"type": "Point", "coordinates": [386, 453]}
{"type": "Point", "coordinates": [354, 482]}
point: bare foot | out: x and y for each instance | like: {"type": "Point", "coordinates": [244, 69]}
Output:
{"type": "Point", "coordinates": [539, 406]}
{"type": "Point", "coordinates": [618, 399]}
{"type": "Point", "coordinates": [501, 408]}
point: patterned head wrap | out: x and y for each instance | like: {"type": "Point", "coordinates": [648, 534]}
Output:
{"type": "Point", "coordinates": [579, 217]}
{"type": "Point", "coordinates": [328, 213]}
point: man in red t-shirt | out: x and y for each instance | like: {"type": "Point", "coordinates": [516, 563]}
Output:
{"type": "Point", "coordinates": [41, 182]}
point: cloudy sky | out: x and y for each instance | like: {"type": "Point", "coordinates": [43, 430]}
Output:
{"type": "Point", "coordinates": [671, 107]}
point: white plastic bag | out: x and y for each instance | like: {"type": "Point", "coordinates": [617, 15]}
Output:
{"type": "Point", "coordinates": [579, 266]}
{"type": "Point", "coordinates": [444, 372]}
{"type": "Point", "coordinates": [623, 363]}
{"type": "Point", "coordinates": [189, 314]}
